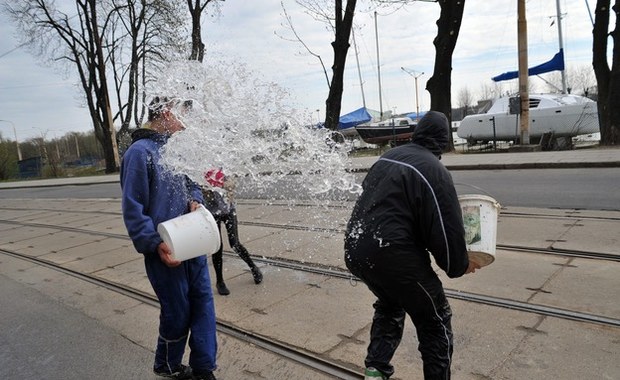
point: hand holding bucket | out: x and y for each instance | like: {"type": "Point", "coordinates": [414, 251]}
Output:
{"type": "Point", "coordinates": [191, 235]}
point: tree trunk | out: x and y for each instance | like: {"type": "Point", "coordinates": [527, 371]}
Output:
{"type": "Point", "coordinates": [613, 100]}
{"type": "Point", "coordinates": [198, 47]}
{"type": "Point", "coordinates": [608, 81]}
{"type": "Point", "coordinates": [599, 63]}
{"type": "Point", "coordinates": [110, 148]}
{"type": "Point", "coordinates": [439, 85]}
{"type": "Point", "coordinates": [341, 47]}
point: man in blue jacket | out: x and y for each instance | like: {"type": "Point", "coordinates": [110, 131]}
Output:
{"type": "Point", "coordinates": [151, 195]}
{"type": "Point", "coordinates": [407, 209]}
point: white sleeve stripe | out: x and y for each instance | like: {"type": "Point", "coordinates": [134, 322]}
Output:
{"type": "Point", "coordinates": [443, 229]}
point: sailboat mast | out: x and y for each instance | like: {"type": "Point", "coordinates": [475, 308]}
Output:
{"type": "Point", "coordinates": [378, 67]}
{"type": "Point", "coordinates": [359, 72]}
{"type": "Point", "coordinates": [559, 15]}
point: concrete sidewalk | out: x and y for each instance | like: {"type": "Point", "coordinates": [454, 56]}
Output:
{"type": "Point", "coordinates": [581, 158]}
{"type": "Point", "coordinates": [596, 157]}
{"type": "Point", "coordinates": [330, 317]}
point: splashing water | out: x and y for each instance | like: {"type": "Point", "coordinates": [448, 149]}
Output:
{"type": "Point", "coordinates": [244, 125]}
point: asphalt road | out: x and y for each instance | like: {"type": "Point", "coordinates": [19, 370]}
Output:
{"type": "Point", "coordinates": [591, 188]}
{"type": "Point", "coordinates": [41, 338]}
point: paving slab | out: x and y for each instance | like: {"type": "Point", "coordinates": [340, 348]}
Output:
{"type": "Point", "coordinates": [248, 234]}
{"type": "Point", "coordinates": [584, 285]}
{"type": "Point", "coordinates": [5, 228]}
{"type": "Point", "coordinates": [483, 337]}
{"type": "Point", "coordinates": [94, 247]}
{"type": "Point", "coordinates": [303, 246]}
{"type": "Point", "coordinates": [20, 235]}
{"type": "Point", "coordinates": [89, 220]}
{"type": "Point", "coordinates": [319, 324]}
{"type": "Point", "coordinates": [46, 243]}
{"type": "Point", "coordinates": [513, 275]}
{"type": "Point", "coordinates": [529, 232]}
{"type": "Point", "coordinates": [592, 236]}
{"type": "Point", "coordinates": [100, 261]}
{"type": "Point", "coordinates": [281, 243]}
{"type": "Point", "coordinates": [59, 218]}
{"type": "Point", "coordinates": [112, 224]}
{"type": "Point", "coordinates": [255, 298]}
{"type": "Point", "coordinates": [20, 214]}
{"type": "Point", "coordinates": [126, 273]}
{"type": "Point", "coordinates": [564, 350]}
{"type": "Point", "coordinates": [240, 360]}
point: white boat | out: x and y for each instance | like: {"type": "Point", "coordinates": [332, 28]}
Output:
{"type": "Point", "coordinates": [563, 115]}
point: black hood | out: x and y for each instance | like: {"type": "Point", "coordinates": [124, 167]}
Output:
{"type": "Point", "coordinates": [432, 132]}
{"type": "Point", "coordinates": [145, 133]}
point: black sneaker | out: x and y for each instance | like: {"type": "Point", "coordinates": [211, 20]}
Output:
{"type": "Point", "coordinates": [258, 276]}
{"type": "Point", "coordinates": [205, 376]}
{"type": "Point", "coordinates": [181, 372]}
{"type": "Point", "coordinates": [222, 289]}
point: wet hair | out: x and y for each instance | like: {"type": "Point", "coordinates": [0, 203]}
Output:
{"type": "Point", "coordinates": [158, 105]}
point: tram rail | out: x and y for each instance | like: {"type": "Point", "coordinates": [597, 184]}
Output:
{"type": "Point", "coordinates": [287, 351]}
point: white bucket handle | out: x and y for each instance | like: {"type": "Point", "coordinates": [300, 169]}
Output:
{"type": "Point", "coordinates": [474, 187]}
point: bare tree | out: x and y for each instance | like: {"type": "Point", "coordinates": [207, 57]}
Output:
{"type": "Point", "coordinates": [448, 28]}
{"type": "Point", "coordinates": [580, 80]}
{"type": "Point", "coordinates": [340, 20]}
{"type": "Point", "coordinates": [465, 100]}
{"type": "Point", "coordinates": [344, 23]}
{"type": "Point", "coordinates": [77, 40]}
{"type": "Point", "coordinates": [142, 36]}
{"type": "Point", "coordinates": [196, 7]}
{"type": "Point", "coordinates": [608, 80]}
{"type": "Point", "coordinates": [297, 38]}
{"type": "Point", "coordinates": [8, 159]}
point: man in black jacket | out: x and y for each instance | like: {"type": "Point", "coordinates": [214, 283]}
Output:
{"type": "Point", "coordinates": [408, 209]}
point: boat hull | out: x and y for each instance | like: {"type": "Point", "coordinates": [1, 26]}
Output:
{"type": "Point", "coordinates": [381, 135]}
{"type": "Point", "coordinates": [396, 130]}
{"type": "Point", "coordinates": [561, 120]}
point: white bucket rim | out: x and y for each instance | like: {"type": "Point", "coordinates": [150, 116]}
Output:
{"type": "Point", "coordinates": [479, 197]}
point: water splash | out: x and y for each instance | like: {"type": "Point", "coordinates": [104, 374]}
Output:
{"type": "Point", "coordinates": [246, 125]}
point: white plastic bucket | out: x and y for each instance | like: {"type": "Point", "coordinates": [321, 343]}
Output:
{"type": "Point", "coordinates": [480, 214]}
{"type": "Point", "coordinates": [191, 235]}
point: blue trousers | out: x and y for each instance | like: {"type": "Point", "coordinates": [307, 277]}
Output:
{"type": "Point", "coordinates": [187, 313]}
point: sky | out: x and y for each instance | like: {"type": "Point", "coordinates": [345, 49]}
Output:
{"type": "Point", "coordinates": [38, 100]}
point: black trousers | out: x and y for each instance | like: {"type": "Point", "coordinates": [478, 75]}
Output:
{"type": "Point", "coordinates": [230, 222]}
{"type": "Point", "coordinates": [404, 283]}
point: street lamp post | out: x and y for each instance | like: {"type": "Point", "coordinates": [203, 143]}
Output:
{"type": "Point", "coordinates": [415, 77]}
{"type": "Point", "coordinates": [19, 152]}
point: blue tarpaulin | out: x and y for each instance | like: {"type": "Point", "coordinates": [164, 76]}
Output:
{"type": "Point", "coordinates": [416, 116]}
{"type": "Point", "coordinates": [354, 118]}
{"type": "Point", "coordinates": [556, 63]}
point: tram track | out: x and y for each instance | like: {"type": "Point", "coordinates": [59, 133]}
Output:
{"type": "Point", "coordinates": [505, 213]}
{"type": "Point", "coordinates": [459, 294]}
{"type": "Point", "coordinates": [508, 247]}
{"type": "Point", "coordinates": [336, 272]}
{"type": "Point", "coordinates": [289, 352]}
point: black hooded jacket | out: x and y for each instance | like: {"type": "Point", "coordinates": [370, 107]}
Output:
{"type": "Point", "coordinates": [409, 200]}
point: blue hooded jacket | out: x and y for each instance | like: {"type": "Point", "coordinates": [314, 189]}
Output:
{"type": "Point", "coordinates": [151, 194]}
